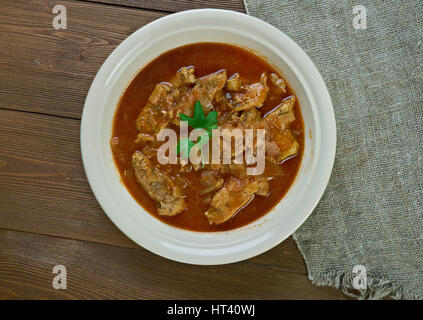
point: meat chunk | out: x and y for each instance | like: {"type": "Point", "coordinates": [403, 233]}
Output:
{"type": "Point", "coordinates": [235, 184]}
{"type": "Point", "coordinates": [281, 116]}
{"type": "Point", "coordinates": [251, 119]}
{"type": "Point", "coordinates": [165, 103]}
{"type": "Point", "coordinates": [252, 95]}
{"type": "Point", "coordinates": [155, 115]}
{"type": "Point", "coordinates": [184, 105]}
{"type": "Point", "coordinates": [280, 142]}
{"type": "Point", "coordinates": [263, 188]}
{"type": "Point", "coordinates": [287, 143]}
{"type": "Point", "coordinates": [169, 99]}
{"type": "Point", "coordinates": [234, 170]}
{"type": "Point", "coordinates": [279, 120]}
{"type": "Point", "coordinates": [225, 204]}
{"type": "Point", "coordinates": [272, 149]}
{"type": "Point", "coordinates": [210, 181]}
{"type": "Point", "coordinates": [279, 84]}
{"type": "Point", "coordinates": [158, 185]}
{"type": "Point", "coordinates": [205, 91]}
{"type": "Point", "coordinates": [207, 87]}
{"type": "Point", "coordinates": [234, 83]}
{"type": "Point", "coordinates": [184, 76]}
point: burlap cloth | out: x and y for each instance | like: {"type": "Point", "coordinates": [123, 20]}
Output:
{"type": "Point", "coordinates": [372, 211]}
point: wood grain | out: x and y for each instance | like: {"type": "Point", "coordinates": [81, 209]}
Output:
{"type": "Point", "coordinates": [49, 71]}
{"type": "Point", "coordinates": [48, 214]}
{"type": "Point", "coordinates": [64, 62]}
{"type": "Point", "coordinates": [97, 271]}
{"type": "Point", "coordinates": [178, 5]}
{"type": "Point", "coordinates": [43, 188]}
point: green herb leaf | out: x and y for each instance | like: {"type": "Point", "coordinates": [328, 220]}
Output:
{"type": "Point", "coordinates": [210, 129]}
{"type": "Point", "coordinates": [211, 118]}
{"type": "Point", "coordinates": [198, 121]}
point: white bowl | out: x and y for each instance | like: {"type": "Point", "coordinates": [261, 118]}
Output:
{"type": "Point", "coordinates": [208, 25]}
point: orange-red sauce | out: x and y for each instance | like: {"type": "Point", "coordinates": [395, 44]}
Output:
{"type": "Point", "coordinates": [206, 58]}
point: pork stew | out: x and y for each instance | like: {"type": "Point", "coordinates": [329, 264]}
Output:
{"type": "Point", "coordinates": [241, 90]}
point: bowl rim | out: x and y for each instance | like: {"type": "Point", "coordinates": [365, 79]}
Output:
{"type": "Point", "coordinates": [328, 133]}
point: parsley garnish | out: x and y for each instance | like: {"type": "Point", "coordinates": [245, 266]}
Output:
{"type": "Point", "coordinates": [198, 121]}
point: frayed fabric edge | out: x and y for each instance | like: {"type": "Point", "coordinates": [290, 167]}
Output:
{"type": "Point", "coordinates": [376, 288]}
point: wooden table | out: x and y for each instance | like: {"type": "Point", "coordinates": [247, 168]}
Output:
{"type": "Point", "coordinates": [48, 214]}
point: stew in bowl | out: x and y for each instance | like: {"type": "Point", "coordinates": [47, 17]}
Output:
{"type": "Point", "coordinates": [245, 92]}
{"type": "Point", "coordinates": [160, 136]}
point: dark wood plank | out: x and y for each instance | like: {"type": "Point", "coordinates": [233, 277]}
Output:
{"type": "Point", "coordinates": [43, 188]}
{"type": "Point", "coordinates": [50, 71]}
{"type": "Point", "coordinates": [97, 271]}
{"type": "Point", "coordinates": [178, 5]}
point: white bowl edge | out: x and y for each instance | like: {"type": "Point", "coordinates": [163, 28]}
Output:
{"type": "Point", "coordinates": [208, 25]}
